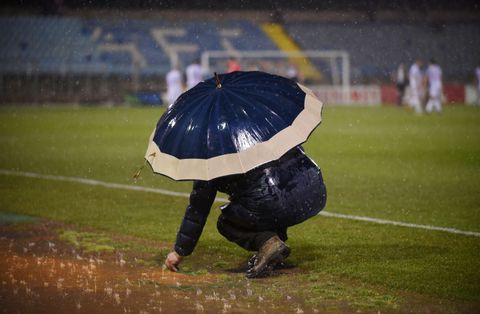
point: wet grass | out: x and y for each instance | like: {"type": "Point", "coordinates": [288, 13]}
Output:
{"type": "Point", "coordinates": [330, 291]}
{"type": "Point", "coordinates": [89, 242]}
{"type": "Point", "coordinates": [378, 162]}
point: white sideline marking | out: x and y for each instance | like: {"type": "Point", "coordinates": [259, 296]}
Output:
{"type": "Point", "coordinates": [398, 223]}
{"type": "Point", "coordinates": [187, 195]}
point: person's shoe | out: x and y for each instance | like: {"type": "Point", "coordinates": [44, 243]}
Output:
{"type": "Point", "coordinates": [251, 262]}
{"type": "Point", "coordinates": [279, 265]}
{"type": "Point", "coordinates": [272, 252]}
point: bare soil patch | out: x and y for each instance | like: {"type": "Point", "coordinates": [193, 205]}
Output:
{"type": "Point", "coordinates": [39, 273]}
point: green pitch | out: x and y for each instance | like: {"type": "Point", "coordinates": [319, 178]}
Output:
{"type": "Point", "coordinates": [377, 162]}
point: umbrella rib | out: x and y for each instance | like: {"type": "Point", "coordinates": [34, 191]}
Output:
{"type": "Point", "coordinates": [266, 98]}
{"type": "Point", "coordinates": [188, 117]}
{"type": "Point", "coordinates": [267, 120]}
{"type": "Point", "coordinates": [230, 132]}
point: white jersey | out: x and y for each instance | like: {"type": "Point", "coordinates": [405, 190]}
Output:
{"type": "Point", "coordinates": [477, 74]}
{"type": "Point", "coordinates": [415, 78]}
{"type": "Point", "coordinates": [174, 85]}
{"type": "Point", "coordinates": [194, 75]}
{"type": "Point", "coordinates": [434, 75]}
{"type": "Point", "coordinates": [292, 72]}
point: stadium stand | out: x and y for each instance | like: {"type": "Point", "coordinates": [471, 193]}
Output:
{"type": "Point", "coordinates": [47, 45]}
{"type": "Point", "coordinates": [51, 44]}
{"type": "Point", "coordinates": [377, 48]}
{"type": "Point", "coordinates": [55, 45]}
{"type": "Point", "coordinates": [107, 56]}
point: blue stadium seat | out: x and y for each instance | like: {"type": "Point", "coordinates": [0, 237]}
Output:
{"type": "Point", "coordinates": [377, 48]}
{"type": "Point", "coordinates": [82, 45]}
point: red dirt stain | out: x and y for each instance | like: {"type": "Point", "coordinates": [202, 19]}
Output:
{"type": "Point", "coordinates": [40, 274]}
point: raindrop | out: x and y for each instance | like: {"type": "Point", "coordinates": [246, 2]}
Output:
{"type": "Point", "coordinates": [108, 290]}
{"type": "Point", "coordinates": [226, 307]}
{"type": "Point", "coordinates": [199, 307]}
{"type": "Point", "coordinates": [117, 298]}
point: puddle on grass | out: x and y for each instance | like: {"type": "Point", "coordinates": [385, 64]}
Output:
{"type": "Point", "coordinates": [41, 274]}
{"type": "Point", "coordinates": [10, 219]}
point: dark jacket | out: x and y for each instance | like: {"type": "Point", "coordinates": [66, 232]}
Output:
{"type": "Point", "coordinates": [280, 193]}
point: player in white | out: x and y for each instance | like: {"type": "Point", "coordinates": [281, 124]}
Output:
{"type": "Point", "coordinates": [415, 78]}
{"type": "Point", "coordinates": [477, 76]}
{"type": "Point", "coordinates": [434, 77]}
{"type": "Point", "coordinates": [194, 74]}
{"type": "Point", "coordinates": [174, 85]}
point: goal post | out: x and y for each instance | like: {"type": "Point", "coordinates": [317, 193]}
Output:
{"type": "Point", "coordinates": [333, 65]}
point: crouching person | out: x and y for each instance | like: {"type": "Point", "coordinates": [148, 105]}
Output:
{"type": "Point", "coordinates": [264, 202]}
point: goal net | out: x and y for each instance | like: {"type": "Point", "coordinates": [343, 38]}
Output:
{"type": "Point", "coordinates": [310, 67]}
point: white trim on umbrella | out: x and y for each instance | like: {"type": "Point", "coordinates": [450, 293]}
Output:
{"type": "Point", "coordinates": [241, 162]}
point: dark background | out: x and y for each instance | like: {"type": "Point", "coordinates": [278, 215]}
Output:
{"type": "Point", "coordinates": [369, 6]}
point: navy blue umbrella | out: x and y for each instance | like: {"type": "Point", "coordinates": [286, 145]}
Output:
{"type": "Point", "coordinates": [230, 124]}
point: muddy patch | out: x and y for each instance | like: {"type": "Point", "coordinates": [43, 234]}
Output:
{"type": "Point", "coordinates": [48, 267]}
{"type": "Point", "coordinates": [42, 271]}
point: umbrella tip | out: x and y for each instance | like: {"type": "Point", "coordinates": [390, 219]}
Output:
{"type": "Point", "coordinates": [217, 80]}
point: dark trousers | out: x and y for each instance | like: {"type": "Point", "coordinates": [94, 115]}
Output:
{"type": "Point", "coordinates": [242, 227]}
{"type": "Point", "coordinates": [401, 92]}
{"type": "Point", "coordinates": [250, 221]}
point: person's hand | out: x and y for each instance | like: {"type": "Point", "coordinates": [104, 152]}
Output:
{"type": "Point", "coordinates": [173, 260]}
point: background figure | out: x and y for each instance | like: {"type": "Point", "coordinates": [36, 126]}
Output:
{"type": "Point", "coordinates": [194, 74]}
{"type": "Point", "coordinates": [233, 65]}
{"type": "Point", "coordinates": [477, 78]}
{"type": "Point", "coordinates": [434, 77]}
{"type": "Point", "coordinates": [415, 82]}
{"type": "Point", "coordinates": [174, 85]}
{"type": "Point", "coordinates": [401, 80]}
{"type": "Point", "coordinates": [292, 72]}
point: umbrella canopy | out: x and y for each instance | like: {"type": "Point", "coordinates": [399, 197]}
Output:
{"type": "Point", "coordinates": [231, 124]}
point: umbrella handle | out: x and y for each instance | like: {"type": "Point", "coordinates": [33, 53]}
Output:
{"type": "Point", "coordinates": [137, 174]}
{"type": "Point", "coordinates": [217, 80]}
